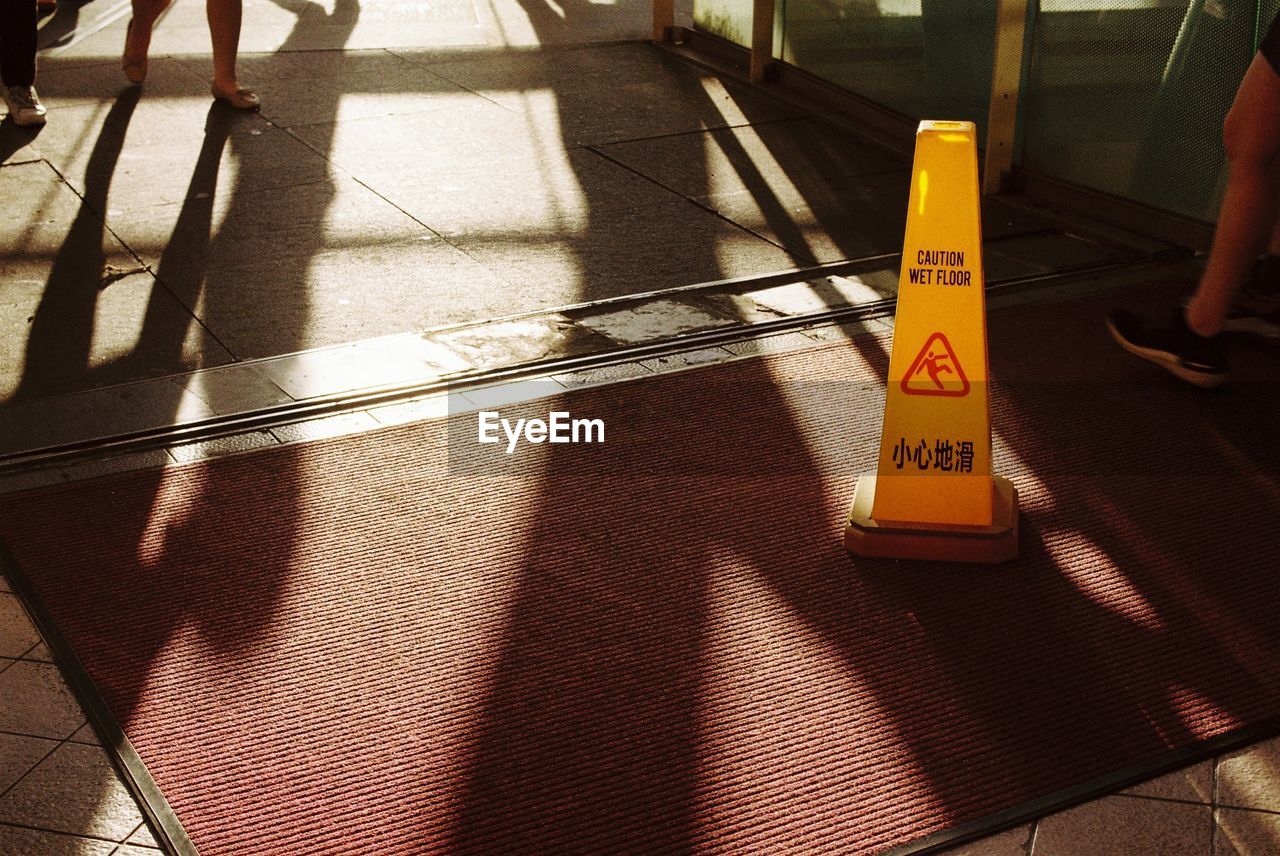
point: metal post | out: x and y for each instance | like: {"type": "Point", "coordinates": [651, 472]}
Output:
{"type": "Point", "coordinates": [761, 38]}
{"type": "Point", "coordinates": [1006, 79]}
{"type": "Point", "coordinates": [664, 19]}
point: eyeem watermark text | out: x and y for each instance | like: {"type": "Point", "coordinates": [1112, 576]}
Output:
{"type": "Point", "coordinates": [558, 427]}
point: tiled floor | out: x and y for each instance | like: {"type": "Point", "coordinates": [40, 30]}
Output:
{"type": "Point", "coordinates": [58, 790]}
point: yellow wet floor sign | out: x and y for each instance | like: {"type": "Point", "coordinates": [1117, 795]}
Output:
{"type": "Point", "coordinates": [933, 494]}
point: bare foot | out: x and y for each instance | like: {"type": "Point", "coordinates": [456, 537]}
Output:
{"type": "Point", "coordinates": [239, 97]}
{"type": "Point", "coordinates": [137, 39]}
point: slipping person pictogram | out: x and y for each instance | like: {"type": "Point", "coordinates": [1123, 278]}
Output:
{"type": "Point", "coordinates": [935, 364]}
{"type": "Point", "coordinates": [925, 376]}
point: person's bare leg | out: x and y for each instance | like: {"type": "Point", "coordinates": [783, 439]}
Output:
{"type": "Point", "coordinates": [1248, 213]}
{"type": "Point", "coordinates": [137, 40]}
{"type": "Point", "coordinates": [224, 31]}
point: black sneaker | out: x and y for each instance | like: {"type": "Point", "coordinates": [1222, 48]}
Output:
{"type": "Point", "coordinates": [1254, 319]}
{"type": "Point", "coordinates": [1201, 360]}
{"type": "Point", "coordinates": [24, 105]}
{"type": "Point", "coordinates": [1264, 278]}
{"type": "Point", "coordinates": [1256, 308]}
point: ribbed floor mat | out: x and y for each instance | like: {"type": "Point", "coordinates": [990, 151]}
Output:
{"type": "Point", "coordinates": [402, 642]}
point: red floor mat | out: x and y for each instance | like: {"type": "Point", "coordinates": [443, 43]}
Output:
{"type": "Point", "coordinates": [394, 643]}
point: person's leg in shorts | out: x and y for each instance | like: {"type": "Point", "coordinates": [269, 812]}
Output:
{"type": "Point", "coordinates": [1188, 344]}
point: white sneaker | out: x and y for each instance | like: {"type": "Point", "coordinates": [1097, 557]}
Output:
{"type": "Point", "coordinates": [24, 105]}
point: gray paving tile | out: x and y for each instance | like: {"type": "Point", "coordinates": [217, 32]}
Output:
{"type": "Point", "coordinates": [70, 320]}
{"type": "Point", "coordinates": [604, 114]}
{"type": "Point", "coordinates": [136, 850]}
{"type": "Point", "coordinates": [90, 414]}
{"type": "Point", "coordinates": [189, 452]}
{"type": "Point", "coordinates": [738, 306]}
{"type": "Point", "coordinates": [232, 389]}
{"type": "Point", "coordinates": [841, 219]}
{"type": "Point", "coordinates": [432, 407]}
{"type": "Point", "coordinates": [142, 837]}
{"type": "Point", "coordinates": [329, 66]}
{"type": "Point", "coordinates": [30, 480]}
{"type": "Point", "coordinates": [1193, 784]}
{"type": "Point", "coordinates": [997, 265]}
{"type": "Point", "coordinates": [770, 344]}
{"type": "Point", "coordinates": [350, 294]}
{"type": "Point", "coordinates": [582, 66]}
{"type": "Point", "coordinates": [134, 124]}
{"type": "Point", "coordinates": [520, 24]}
{"type": "Point", "coordinates": [335, 86]}
{"type": "Point", "coordinates": [1084, 287]}
{"type": "Point", "coordinates": [685, 359]}
{"type": "Point", "coordinates": [376, 362]}
{"type": "Point", "coordinates": [18, 754]}
{"type": "Point", "coordinates": [456, 137]}
{"type": "Point", "coordinates": [434, 26]}
{"type": "Point", "coordinates": [516, 392]}
{"type": "Point", "coordinates": [501, 344]}
{"type": "Point", "coordinates": [38, 702]}
{"type": "Point", "coordinates": [459, 403]}
{"type": "Point", "coordinates": [1055, 251]}
{"type": "Point", "coordinates": [1122, 826]}
{"type": "Point", "coordinates": [1245, 833]}
{"type": "Point", "coordinates": [652, 320]}
{"type": "Point", "coordinates": [74, 790]}
{"type": "Point", "coordinates": [117, 464]}
{"type": "Point", "coordinates": [788, 181]}
{"type": "Point", "coordinates": [16, 841]}
{"type": "Point", "coordinates": [542, 189]}
{"type": "Point", "coordinates": [249, 230]}
{"type": "Point", "coordinates": [601, 375]}
{"type": "Point", "coordinates": [17, 633]}
{"type": "Point", "coordinates": [85, 734]}
{"type": "Point", "coordinates": [1011, 842]}
{"type": "Point", "coordinates": [68, 333]}
{"type": "Point", "coordinates": [331, 27]}
{"type": "Point", "coordinates": [268, 28]}
{"type": "Point", "coordinates": [802, 298]}
{"type": "Point", "coordinates": [37, 226]}
{"type": "Point", "coordinates": [236, 155]}
{"type": "Point", "coordinates": [849, 330]}
{"type": "Point", "coordinates": [322, 429]}
{"type": "Point", "coordinates": [18, 145]}
{"type": "Point", "coordinates": [999, 219]}
{"type": "Point", "coordinates": [1008, 299]}
{"type": "Point", "coordinates": [1250, 777]}
{"type": "Point", "coordinates": [39, 653]}
{"type": "Point", "coordinates": [615, 253]}
{"type": "Point", "coordinates": [802, 153]}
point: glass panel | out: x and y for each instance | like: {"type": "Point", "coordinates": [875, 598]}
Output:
{"type": "Point", "coordinates": [926, 59]}
{"type": "Point", "coordinates": [1128, 96]}
{"type": "Point", "coordinates": [728, 19]}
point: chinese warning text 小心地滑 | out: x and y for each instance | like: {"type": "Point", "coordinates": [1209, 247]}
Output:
{"type": "Point", "coordinates": [948, 456]}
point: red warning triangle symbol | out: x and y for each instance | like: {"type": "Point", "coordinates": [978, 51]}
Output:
{"type": "Point", "coordinates": [936, 371]}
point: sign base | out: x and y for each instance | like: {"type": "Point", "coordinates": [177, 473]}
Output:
{"type": "Point", "coordinates": [866, 536]}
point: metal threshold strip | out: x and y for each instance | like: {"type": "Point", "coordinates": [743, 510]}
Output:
{"type": "Point", "coordinates": [329, 405]}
